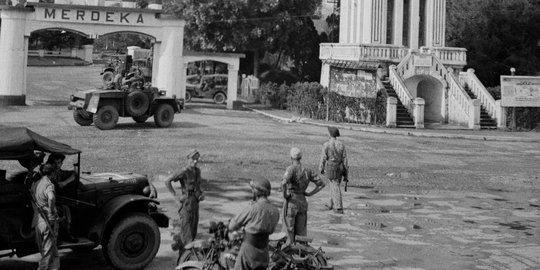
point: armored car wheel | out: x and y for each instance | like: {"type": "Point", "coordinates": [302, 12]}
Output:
{"type": "Point", "coordinates": [137, 103]}
{"type": "Point", "coordinates": [82, 117]}
{"type": "Point", "coordinates": [106, 117]}
{"type": "Point", "coordinates": [132, 242]}
{"type": "Point", "coordinates": [220, 98]}
{"type": "Point", "coordinates": [164, 115]}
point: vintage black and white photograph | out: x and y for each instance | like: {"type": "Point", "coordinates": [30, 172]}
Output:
{"type": "Point", "coordinates": [269, 134]}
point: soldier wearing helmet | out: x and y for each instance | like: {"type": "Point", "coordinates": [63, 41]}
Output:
{"type": "Point", "coordinates": [335, 165]}
{"type": "Point", "coordinates": [259, 221]}
{"type": "Point", "coordinates": [185, 228]}
{"type": "Point", "coordinates": [294, 186]}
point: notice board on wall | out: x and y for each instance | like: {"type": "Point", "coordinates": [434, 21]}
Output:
{"type": "Point", "coordinates": [520, 91]}
{"type": "Point", "coordinates": [353, 82]}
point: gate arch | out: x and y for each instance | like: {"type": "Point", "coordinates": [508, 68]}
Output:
{"type": "Point", "coordinates": [91, 21]}
{"type": "Point", "coordinates": [432, 90]}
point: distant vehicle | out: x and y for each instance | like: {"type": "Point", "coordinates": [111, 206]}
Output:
{"type": "Point", "coordinates": [115, 210]}
{"type": "Point", "coordinates": [123, 64]}
{"type": "Point", "coordinates": [212, 86]}
{"type": "Point", "coordinates": [104, 107]}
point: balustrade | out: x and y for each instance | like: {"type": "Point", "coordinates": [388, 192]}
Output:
{"type": "Point", "coordinates": [479, 90]}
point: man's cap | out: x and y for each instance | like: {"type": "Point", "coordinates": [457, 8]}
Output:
{"type": "Point", "coordinates": [333, 131]}
{"type": "Point", "coordinates": [193, 153]}
{"type": "Point", "coordinates": [296, 153]}
{"type": "Point", "coordinates": [261, 185]}
{"type": "Point", "coordinates": [55, 156]}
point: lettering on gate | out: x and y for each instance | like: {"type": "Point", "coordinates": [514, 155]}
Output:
{"type": "Point", "coordinates": [93, 16]}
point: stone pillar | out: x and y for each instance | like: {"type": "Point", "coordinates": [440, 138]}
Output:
{"type": "Point", "coordinates": [155, 62]}
{"type": "Point", "coordinates": [232, 86]}
{"type": "Point", "coordinates": [13, 52]}
{"type": "Point", "coordinates": [474, 114]}
{"type": "Point", "coordinates": [344, 23]}
{"type": "Point", "coordinates": [325, 75]}
{"type": "Point", "coordinates": [367, 20]}
{"type": "Point", "coordinates": [182, 87]}
{"type": "Point", "coordinates": [435, 23]}
{"type": "Point", "coordinates": [398, 23]}
{"type": "Point", "coordinates": [378, 27]}
{"type": "Point", "coordinates": [391, 111]}
{"type": "Point", "coordinates": [171, 77]}
{"type": "Point", "coordinates": [419, 104]}
{"type": "Point", "coordinates": [500, 114]}
{"type": "Point", "coordinates": [414, 24]}
{"type": "Point", "coordinates": [87, 52]}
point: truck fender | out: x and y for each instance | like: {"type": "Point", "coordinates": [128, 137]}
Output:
{"type": "Point", "coordinates": [112, 209]}
{"type": "Point", "coordinates": [167, 100]}
{"type": "Point", "coordinates": [190, 265]}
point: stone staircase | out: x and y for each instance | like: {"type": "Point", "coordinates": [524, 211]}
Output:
{"type": "Point", "coordinates": [486, 122]}
{"type": "Point", "coordinates": [403, 119]}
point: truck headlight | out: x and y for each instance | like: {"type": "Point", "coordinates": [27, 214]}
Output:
{"type": "Point", "coordinates": [146, 191]}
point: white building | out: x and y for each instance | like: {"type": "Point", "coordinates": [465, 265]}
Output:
{"type": "Point", "coordinates": [399, 45]}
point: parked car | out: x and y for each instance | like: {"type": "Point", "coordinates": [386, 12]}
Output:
{"type": "Point", "coordinates": [212, 86]}
{"type": "Point", "coordinates": [104, 107]}
{"type": "Point", "coordinates": [114, 210]}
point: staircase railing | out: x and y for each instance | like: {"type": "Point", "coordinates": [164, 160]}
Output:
{"type": "Point", "coordinates": [469, 79]}
{"type": "Point", "coordinates": [460, 105]}
{"type": "Point", "coordinates": [396, 75]}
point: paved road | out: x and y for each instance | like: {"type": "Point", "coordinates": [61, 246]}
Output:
{"type": "Point", "coordinates": [415, 203]}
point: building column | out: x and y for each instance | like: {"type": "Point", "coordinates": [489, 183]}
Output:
{"type": "Point", "coordinates": [155, 61]}
{"type": "Point", "coordinates": [171, 76]}
{"type": "Point", "coordinates": [391, 112]}
{"type": "Point", "coordinates": [474, 114]}
{"type": "Point", "coordinates": [414, 26]}
{"type": "Point", "coordinates": [435, 23]}
{"type": "Point", "coordinates": [325, 75]}
{"type": "Point", "coordinates": [378, 27]}
{"type": "Point", "coordinates": [398, 22]}
{"type": "Point", "coordinates": [13, 55]}
{"type": "Point", "coordinates": [344, 23]}
{"type": "Point", "coordinates": [500, 114]}
{"type": "Point", "coordinates": [366, 15]}
{"type": "Point", "coordinates": [419, 104]}
{"type": "Point", "coordinates": [232, 85]}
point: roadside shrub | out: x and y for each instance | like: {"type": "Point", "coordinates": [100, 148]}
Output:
{"type": "Point", "coordinates": [306, 99]}
{"type": "Point", "coordinates": [271, 94]}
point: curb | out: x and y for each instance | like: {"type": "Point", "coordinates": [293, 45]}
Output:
{"type": "Point", "coordinates": [397, 132]}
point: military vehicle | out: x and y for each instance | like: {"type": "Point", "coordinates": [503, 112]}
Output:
{"type": "Point", "coordinates": [115, 210]}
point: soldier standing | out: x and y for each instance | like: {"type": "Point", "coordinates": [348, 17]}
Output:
{"type": "Point", "coordinates": [259, 221]}
{"type": "Point", "coordinates": [335, 165]}
{"type": "Point", "coordinates": [185, 229]}
{"type": "Point", "coordinates": [45, 219]}
{"type": "Point", "coordinates": [294, 185]}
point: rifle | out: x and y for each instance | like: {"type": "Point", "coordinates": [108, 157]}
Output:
{"type": "Point", "coordinates": [346, 183]}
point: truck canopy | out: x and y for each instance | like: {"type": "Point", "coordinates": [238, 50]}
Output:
{"type": "Point", "coordinates": [18, 143]}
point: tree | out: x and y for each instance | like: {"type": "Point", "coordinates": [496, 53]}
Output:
{"type": "Point", "coordinates": [254, 25]}
{"type": "Point", "coordinates": [498, 34]}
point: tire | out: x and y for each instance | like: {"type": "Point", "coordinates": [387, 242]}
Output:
{"type": "Point", "coordinates": [133, 242]}
{"type": "Point", "coordinates": [188, 96]}
{"type": "Point", "coordinates": [164, 115]}
{"type": "Point", "coordinates": [106, 117]}
{"type": "Point", "coordinates": [82, 117]}
{"type": "Point", "coordinates": [140, 119]}
{"type": "Point", "coordinates": [108, 78]}
{"type": "Point", "coordinates": [137, 103]}
{"type": "Point", "coordinates": [220, 98]}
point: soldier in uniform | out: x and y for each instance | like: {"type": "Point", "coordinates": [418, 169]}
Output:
{"type": "Point", "coordinates": [294, 185]}
{"type": "Point", "coordinates": [335, 165]}
{"type": "Point", "coordinates": [259, 221]}
{"type": "Point", "coordinates": [45, 219]}
{"type": "Point", "coordinates": [185, 229]}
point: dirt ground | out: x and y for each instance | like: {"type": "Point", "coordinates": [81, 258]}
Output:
{"type": "Point", "coordinates": [413, 202]}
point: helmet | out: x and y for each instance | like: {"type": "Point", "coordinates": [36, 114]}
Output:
{"type": "Point", "coordinates": [296, 153]}
{"type": "Point", "coordinates": [193, 154]}
{"type": "Point", "coordinates": [262, 185]}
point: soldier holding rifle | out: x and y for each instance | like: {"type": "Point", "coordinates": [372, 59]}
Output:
{"type": "Point", "coordinates": [335, 166]}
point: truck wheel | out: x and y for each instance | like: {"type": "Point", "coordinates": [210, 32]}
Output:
{"type": "Point", "coordinates": [108, 78]}
{"type": "Point", "coordinates": [137, 103]}
{"type": "Point", "coordinates": [140, 119]}
{"type": "Point", "coordinates": [188, 96]}
{"type": "Point", "coordinates": [220, 98]}
{"type": "Point", "coordinates": [106, 117]}
{"type": "Point", "coordinates": [164, 115]}
{"type": "Point", "coordinates": [132, 243]}
{"type": "Point", "coordinates": [82, 117]}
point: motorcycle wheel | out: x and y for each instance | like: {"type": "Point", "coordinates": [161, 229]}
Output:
{"type": "Point", "coordinates": [190, 255]}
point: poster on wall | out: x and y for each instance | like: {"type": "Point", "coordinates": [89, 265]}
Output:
{"type": "Point", "coordinates": [353, 82]}
{"type": "Point", "coordinates": [520, 91]}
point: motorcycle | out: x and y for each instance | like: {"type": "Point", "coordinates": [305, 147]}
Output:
{"type": "Point", "coordinates": [219, 252]}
